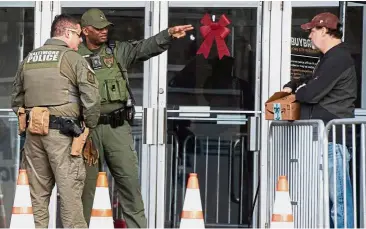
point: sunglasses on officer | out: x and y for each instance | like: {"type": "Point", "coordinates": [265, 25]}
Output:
{"type": "Point", "coordinates": [75, 31]}
{"type": "Point", "coordinates": [78, 33]}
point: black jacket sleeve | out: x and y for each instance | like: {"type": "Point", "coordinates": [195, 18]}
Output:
{"type": "Point", "coordinates": [295, 83]}
{"type": "Point", "coordinates": [291, 84]}
{"type": "Point", "coordinates": [325, 78]}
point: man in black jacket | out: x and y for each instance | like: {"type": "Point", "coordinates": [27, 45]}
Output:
{"type": "Point", "coordinates": [329, 94]}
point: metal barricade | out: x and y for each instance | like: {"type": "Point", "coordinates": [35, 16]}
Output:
{"type": "Point", "coordinates": [225, 178]}
{"type": "Point", "coordinates": [295, 151]}
{"type": "Point", "coordinates": [348, 173]}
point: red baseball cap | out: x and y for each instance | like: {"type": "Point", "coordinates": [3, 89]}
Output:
{"type": "Point", "coordinates": [326, 19]}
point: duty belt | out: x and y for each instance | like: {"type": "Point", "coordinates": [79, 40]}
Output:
{"type": "Point", "coordinates": [57, 122]}
{"type": "Point", "coordinates": [115, 118]}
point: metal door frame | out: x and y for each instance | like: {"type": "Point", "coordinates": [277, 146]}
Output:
{"type": "Point", "coordinates": [162, 99]}
{"type": "Point", "coordinates": [275, 70]}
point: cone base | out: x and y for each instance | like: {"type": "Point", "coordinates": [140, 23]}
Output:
{"type": "Point", "coordinates": [101, 222]}
{"type": "Point", "coordinates": [22, 221]}
{"type": "Point", "coordinates": [192, 223]}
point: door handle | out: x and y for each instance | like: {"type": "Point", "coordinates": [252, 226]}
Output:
{"type": "Point", "coordinates": [253, 130]}
{"type": "Point", "coordinates": [162, 126]}
{"type": "Point", "coordinates": [234, 198]}
{"type": "Point", "coordinates": [149, 138]}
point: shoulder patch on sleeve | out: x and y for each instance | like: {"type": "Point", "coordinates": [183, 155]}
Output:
{"type": "Point", "coordinates": [91, 74]}
{"type": "Point", "coordinates": [91, 77]}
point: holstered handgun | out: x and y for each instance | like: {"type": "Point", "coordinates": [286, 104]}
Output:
{"type": "Point", "coordinates": [130, 112]}
{"type": "Point", "coordinates": [70, 128]}
{"type": "Point", "coordinates": [79, 142]}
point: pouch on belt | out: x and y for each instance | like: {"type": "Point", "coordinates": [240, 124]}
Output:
{"type": "Point", "coordinates": [39, 120]}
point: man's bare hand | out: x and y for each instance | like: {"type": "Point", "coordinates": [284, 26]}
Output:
{"type": "Point", "coordinates": [287, 89]}
{"type": "Point", "coordinates": [179, 30]}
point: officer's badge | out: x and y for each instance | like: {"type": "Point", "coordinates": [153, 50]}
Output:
{"type": "Point", "coordinates": [108, 61]}
{"type": "Point", "coordinates": [108, 50]}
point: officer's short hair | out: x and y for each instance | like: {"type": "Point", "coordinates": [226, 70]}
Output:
{"type": "Point", "coordinates": [61, 22]}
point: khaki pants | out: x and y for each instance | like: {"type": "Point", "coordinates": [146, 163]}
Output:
{"type": "Point", "coordinates": [48, 160]}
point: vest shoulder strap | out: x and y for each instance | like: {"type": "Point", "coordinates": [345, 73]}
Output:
{"type": "Point", "coordinates": [112, 45]}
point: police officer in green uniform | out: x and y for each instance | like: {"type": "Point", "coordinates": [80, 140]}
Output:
{"type": "Point", "coordinates": [55, 77]}
{"type": "Point", "coordinates": [112, 137]}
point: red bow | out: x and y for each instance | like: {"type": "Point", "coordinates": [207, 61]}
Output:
{"type": "Point", "coordinates": [213, 30]}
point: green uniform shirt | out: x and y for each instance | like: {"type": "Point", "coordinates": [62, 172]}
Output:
{"type": "Point", "coordinates": [77, 70]}
{"type": "Point", "coordinates": [127, 53]}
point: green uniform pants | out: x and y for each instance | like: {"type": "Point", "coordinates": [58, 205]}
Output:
{"type": "Point", "coordinates": [116, 147]}
{"type": "Point", "coordinates": [47, 159]}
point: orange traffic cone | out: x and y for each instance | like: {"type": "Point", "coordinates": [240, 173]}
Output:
{"type": "Point", "coordinates": [192, 216]}
{"type": "Point", "coordinates": [22, 214]}
{"type": "Point", "coordinates": [101, 215]}
{"type": "Point", "coordinates": [282, 216]}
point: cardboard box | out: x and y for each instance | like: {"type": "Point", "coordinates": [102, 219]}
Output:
{"type": "Point", "coordinates": [282, 106]}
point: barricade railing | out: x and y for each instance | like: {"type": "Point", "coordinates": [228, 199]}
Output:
{"type": "Point", "coordinates": [326, 169]}
{"type": "Point", "coordinates": [225, 202]}
{"type": "Point", "coordinates": [294, 150]}
{"type": "Point", "coordinates": [345, 141]}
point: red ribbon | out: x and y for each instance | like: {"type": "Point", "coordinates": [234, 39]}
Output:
{"type": "Point", "coordinates": [214, 31]}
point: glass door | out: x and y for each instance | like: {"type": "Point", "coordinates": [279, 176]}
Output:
{"type": "Point", "coordinates": [131, 22]}
{"type": "Point", "coordinates": [17, 36]}
{"type": "Point", "coordinates": [209, 109]}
